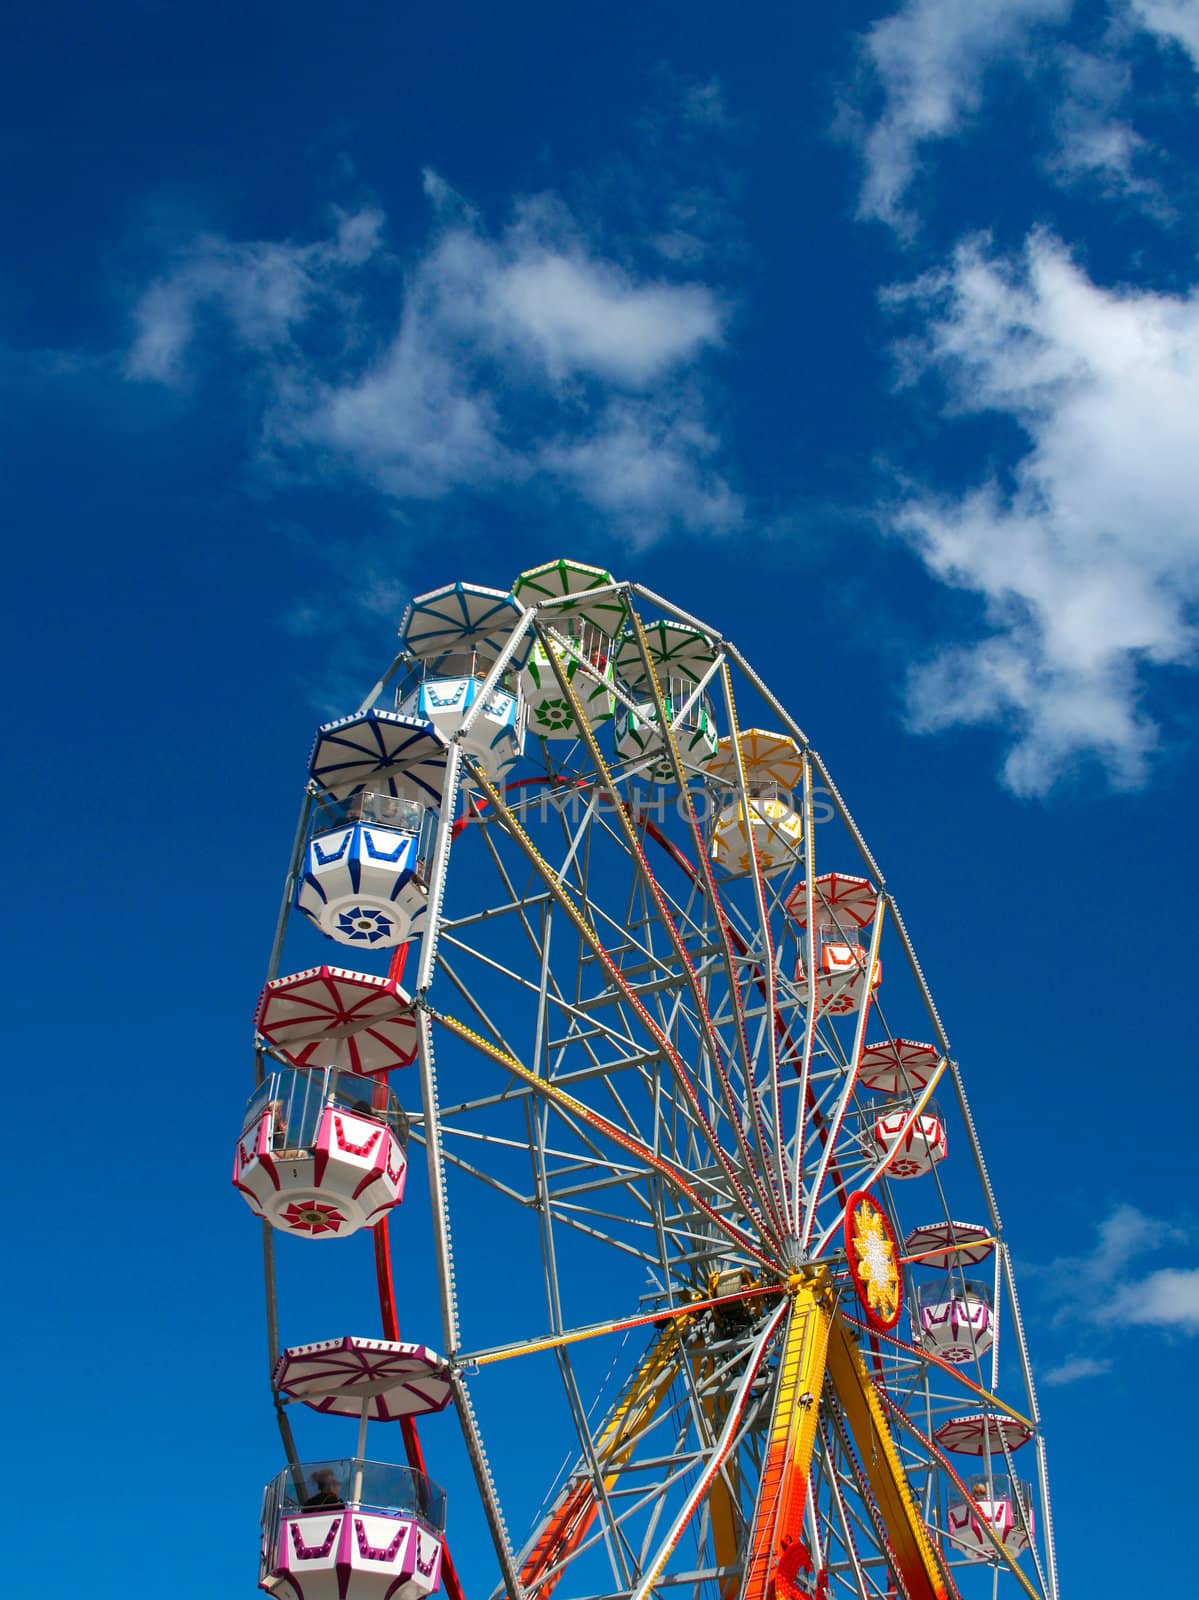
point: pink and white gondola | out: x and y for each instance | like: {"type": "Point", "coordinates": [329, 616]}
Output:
{"type": "Point", "coordinates": [953, 1318]}
{"type": "Point", "coordinates": [842, 906]}
{"type": "Point", "coordinates": [1000, 1504]}
{"type": "Point", "coordinates": [911, 1147]}
{"type": "Point", "coordinates": [368, 1530]}
{"type": "Point", "coordinates": [321, 1153]}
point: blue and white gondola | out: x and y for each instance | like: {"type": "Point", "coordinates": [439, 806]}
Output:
{"type": "Point", "coordinates": [455, 635]}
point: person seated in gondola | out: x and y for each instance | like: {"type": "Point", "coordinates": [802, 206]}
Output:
{"type": "Point", "coordinates": [327, 1491]}
{"type": "Point", "coordinates": [283, 1147]}
{"type": "Point", "coordinates": [278, 1115]}
{"type": "Point", "coordinates": [396, 1119]}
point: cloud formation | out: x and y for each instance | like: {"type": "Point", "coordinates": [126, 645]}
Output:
{"type": "Point", "coordinates": [523, 356]}
{"type": "Point", "coordinates": [262, 290]}
{"type": "Point", "coordinates": [1165, 1299]}
{"type": "Point", "coordinates": [927, 67]}
{"type": "Point", "coordinates": [1094, 142]}
{"type": "Point", "coordinates": [1085, 557]}
{"type": "Point", "coordinates": [1109, 1288]}
{"type": "Point", "coordinates": [1171, 21]}
{"type": "Point", "coordinates": [1124, 1235]}
{"type": "Point", "coordinates": [929, 61]}
{"type": "Point", "coordinates": [1075, 1370]}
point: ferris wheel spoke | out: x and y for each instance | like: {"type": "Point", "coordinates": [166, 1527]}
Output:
{"type": "Point", "coordinates": [625, 1178]}
{"type": "Point", "coordinates": [833, 1478]}
{"type": "Point", "coordinates": [650, 1414]}
{"type": "Point", "coordinates": [849, 1083]}
{"type": "Point", "coordinates": [775, 1219]}
{"type": "Point", "coordinates": [778, 1172]}
{"type": "Point", "coordinates": [704, 880]}
{"type": "Point", "coordinates": [561, 1212]}
{"type": "Point", "coordinates": [561, 1535]}
{"type": "Point", "coordinates": [489, 1178]}
{"type": "Point", "coordinates": [620, 1553]}
{"type": "Point", "coordinates": [465, 991]}
{"type": "Point", "coordinates": [737, 1406]}
{"type": "Point", "coordinates": [681, 1073]}
{"type": "Point", "coordinates": [673, 1176]}
{"type": "Point", "coordinates": [865, 1408]}
{"type": "Point", "coordinates": [879, 1167]}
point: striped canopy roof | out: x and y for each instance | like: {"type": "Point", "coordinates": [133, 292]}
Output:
{"type": "Point", "coordinates": [460, 617]}
{"type": "Point", "coordinates": [342, 1375]}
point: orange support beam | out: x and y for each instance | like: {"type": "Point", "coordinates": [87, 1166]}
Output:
{"type": "Point", "coordinates": [818, 1341]}
{"type": "Point", "coordinates": [574, 1511]}
{"type": "Point", "coordinates": [777, 1538]}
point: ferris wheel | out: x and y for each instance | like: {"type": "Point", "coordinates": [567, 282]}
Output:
{"type": "Point", "coordinates": [726, 1307]}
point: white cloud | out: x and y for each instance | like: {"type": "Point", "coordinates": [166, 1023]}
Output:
{"type": "Point", "coordinates": [540, 292]}
{"type": "Point", "coordinates": [1085, 560]}
{"type": "Point", "coordinates": [1123, 1236]}
{"type": "Point", "coordinates": [929, 60]}
{"type": "Point", "coordinates": [929, 63]}
{"type": "Point", "coordinates": [262, 289]}
{"type": "Point", "coordinates": [1175, 21]}
{"type": "Point", "coordinates": [644, 465]}
{"type": "Point", "coordinates": [1074, 1370]}
{"type": "Point", "coordinates": [1093, 140]}
{"type": "Point", "coordinates": [490, 359]}
{"type": "Point", "coordinates": [411, 425]}
{"type": "Point", "coordinates": [1103, 1286]}
{"type": "Point", "coordinates": [1168, 1298]}
{"type": "Point", "coordinates": [581, 314]}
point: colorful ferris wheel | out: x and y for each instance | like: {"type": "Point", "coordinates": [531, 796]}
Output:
{"type": "Point", "coordinates": [726, 1307]}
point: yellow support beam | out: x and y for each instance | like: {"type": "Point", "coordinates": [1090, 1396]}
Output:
{"type": "Point", "coordinates": [919, 1566]}
{"type": "Point", "coordinates": [574, 1510]}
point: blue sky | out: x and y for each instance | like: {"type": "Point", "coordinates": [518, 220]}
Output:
{"type": "Point", "coordinates": [869, 334]}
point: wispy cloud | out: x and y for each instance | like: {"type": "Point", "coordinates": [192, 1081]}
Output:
{"type": "Point", "coordinates": [486, 359]}
{"type": "Point", "coordinates": [1075, 1370]}
{"type": "Point", "coordinates": [1085, 557]}
{"type": "Point", "coordinates": [1171, 21]}
{"type": "Point", "coordinates": [646, 462]}
{"type": "Point", "coordinates": [1107, 1286]}
{"type": "Point", "coordinates": [928, 62]}
{"type": "Point", "coordinates": [1094, 142]}
{"type": "Point", "coordinates": [261, 290]}
{"type": "Point", "coordinates": [925, 78]}
{"type": "Point", "coordinates": [1165, 1299]}
{"type": "Point", "coordinates": [1123, 1236]}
